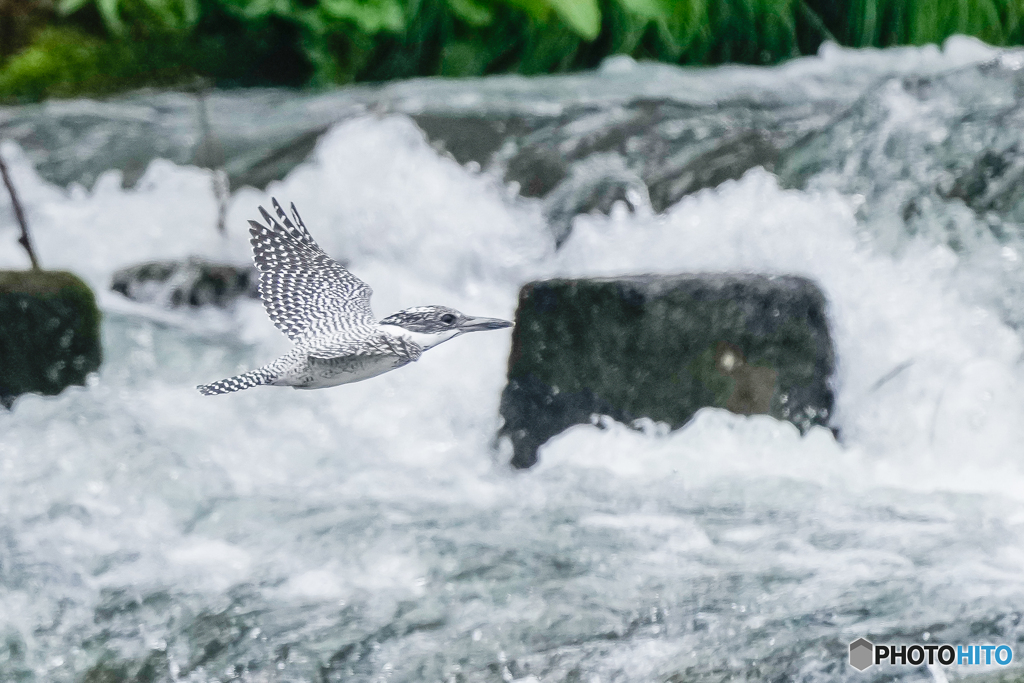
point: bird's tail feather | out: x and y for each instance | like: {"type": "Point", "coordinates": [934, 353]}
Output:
{"type": "Point", "coordinates": [253, 378]}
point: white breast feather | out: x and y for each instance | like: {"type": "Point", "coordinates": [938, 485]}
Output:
{"type": "Point", "coordinates": [424, 341]}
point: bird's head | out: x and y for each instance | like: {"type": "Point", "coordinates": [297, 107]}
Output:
{"type": "Point", "coordinates": [430, 325]}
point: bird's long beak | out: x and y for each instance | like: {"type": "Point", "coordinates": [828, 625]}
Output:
{"type": "Point", "coordinates": [480, 324]}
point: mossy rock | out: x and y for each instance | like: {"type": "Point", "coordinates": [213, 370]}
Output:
{"type": "Point", "coordinates": [49, 332]}
{"type": "Point", "coordinates": [65, 62]}
{"type": "Point", "coordinates": [191, 282]}
{"type": "Point", "coordinates": [662, 347]}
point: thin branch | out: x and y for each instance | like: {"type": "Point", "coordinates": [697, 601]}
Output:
{"type": "Point", "coordinates": [20, 215]}
{"type": "Point", "coordinates": [815, 21]}
{"type": "Point", "coordinates": [210, 154]}
{"type": "Point", "coordinates": [222, 192]}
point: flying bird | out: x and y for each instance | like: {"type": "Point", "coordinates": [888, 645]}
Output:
{"type": "Point", "coordinates": [325, 310]}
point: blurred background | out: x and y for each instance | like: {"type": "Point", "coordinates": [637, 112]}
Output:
{"type": "Point", "coordinates": [70, 47]}
{"type": "Point", "coordinates": [854, 171]}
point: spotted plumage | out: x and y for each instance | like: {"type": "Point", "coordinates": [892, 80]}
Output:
{"type": "Point", "coordinates": [325, 310]}
{"type": "Point", "coordinates": [305, 291]}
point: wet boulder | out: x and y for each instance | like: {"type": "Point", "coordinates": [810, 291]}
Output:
{"type": "Point", "coordinates": [49, 333]}
{"type": "Point", "coordinates": [193, 282]}
{"type": "Point", "coordinates": [580, 143]}
{"type": "Point", "coordinates": [662, 347]}
{"type": "Point", "coordinates": [991, 183]}
{"type": "Point", "coordinates": [593, 185]}
{"type": "Point", "coordinates": [710, 164]}
{"type": "Point", "coordinates": [471, 136]}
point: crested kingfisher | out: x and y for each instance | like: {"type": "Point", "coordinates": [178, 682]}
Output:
{"type": "Point", "coordinates": [325, 310]}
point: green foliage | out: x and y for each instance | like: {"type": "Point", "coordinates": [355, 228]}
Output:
{"type": "Point", "coordinates": [918, 22]}
{"type": "Point", "coordinates": [106, 45]}
{"type": "Point", "coordinates": [582, 16]}
{"type": "Point", "coordinates": [152, 16]}
{"type": "Point", "coordinates": [63, 62]}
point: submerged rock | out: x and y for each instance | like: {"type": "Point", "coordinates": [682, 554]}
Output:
{"type": "Point", "coordinates": [649, 151]}
{"type": "Point", "coordinates": [49, 333]}
{"type": "Point", "coordinates": [195, 282]}
{"type": "Point", "coordinates": [260, 134]}
{"type": "Point", "coordinates": [662, 347]}
{"type": "Point", "coordinates": [917, 142]}
{"type": "Point", "coordinates": [587, 140]}
{"type": "Point", "coordinates": [594, 185]}
{"type": "Point", "coordinates": [918, 149]}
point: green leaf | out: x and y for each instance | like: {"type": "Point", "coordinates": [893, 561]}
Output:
{"type": "Point", "coordinates": [582, 16]}
{"type": "Point", "coordinates": [66, 7]}
{"type": "Point", "coordinates": [316, 24]}
{"type": "Point", "coordinates": [163, 10]}
{"type": "Point", "coordinates": [647, 9]}
{"type": "Point", "coordinates": [460, 58]}
{"type": "Point", "coordinates": [372, 17]}
{"type": "Point", "coordinates": [257, 9]}
{"type": "Point", "coordinates": [537, 9]}
{"type": "Point", "coordinates": [471, 12]}
{"type": "Point", "coordinates": [111, 16]}
{"type": "Point", "coordinates": [682, 30]}
{"type": "Point", "coordinates": [190, 12]}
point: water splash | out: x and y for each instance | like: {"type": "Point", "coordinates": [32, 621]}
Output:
{"type": "Point", "coordinates": [372, 531]}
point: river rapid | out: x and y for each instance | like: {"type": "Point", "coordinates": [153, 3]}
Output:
{"type": "Point", "coordinates": [374, 532]}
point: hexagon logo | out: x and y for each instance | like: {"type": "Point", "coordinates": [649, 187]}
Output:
{"type": "Point", "coordinates": [862, 654]}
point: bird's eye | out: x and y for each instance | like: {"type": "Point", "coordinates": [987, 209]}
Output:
{"type": "Point", "coordinates": [447, 318]}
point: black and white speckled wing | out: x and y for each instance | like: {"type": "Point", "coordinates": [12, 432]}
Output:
{"type": "Point", "coordinates": [376, 344]}
{"type": "Point", "coordinates": [306, 292]}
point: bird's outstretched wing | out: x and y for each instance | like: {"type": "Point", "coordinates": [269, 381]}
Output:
{"type": "Point", "coordinates": [305, 291]}
{"type": "Point", "coordinates": [375, 344]}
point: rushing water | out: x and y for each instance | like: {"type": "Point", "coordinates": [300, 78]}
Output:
{"type": "Point", "coordinates": [373, 532]}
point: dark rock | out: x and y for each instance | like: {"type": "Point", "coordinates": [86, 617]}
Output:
{"type": "Point", "coordinates": [537, 168]}
{"type": "Point", "coordinates": [955, 142]}
{"type": "Point", "coordinates": [49, 333]}
{"type": "Point", "coordinates": [993, 182]}
{"type": "Point", "coordinates": [109, 669]}
{"type": "Point", "coordinates": [593, 185]}
{"type": "Point", "coordinates": [663, 347]}
{"type": "Point", "coordinates": [259, 134]}
{"type": "Point", "coordinates": [470, 136]}
{"type": "Point", "coordinates": [664, 149]}
{"type": "Point", "coordinates": [544, 134]}
{"type": "Point", "coordinates": [172, 284]}
{"type": "Point", "coordinates": [262, 166]}
{"type": "Point", "coordinates": [727, 158]}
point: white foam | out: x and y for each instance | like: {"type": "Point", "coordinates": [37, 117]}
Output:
{"type": "Point", "coordinates": [387, 490]}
